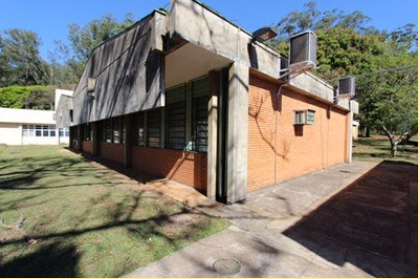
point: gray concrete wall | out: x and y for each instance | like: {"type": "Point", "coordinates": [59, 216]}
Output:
{"type": "Point", "coordinates": [129, 73]}
{"type": "Point", "coordinates": [197, 24]}
{"type": "Point", "coordinates": [314, 86]}
{"type": "Point", "coordinates": [62, 114]}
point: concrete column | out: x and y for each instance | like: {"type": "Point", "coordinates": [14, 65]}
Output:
{"type": "Point", "coordinates": [214, 89]}
{"type": "Point", "coordinates": [95, 139]}
{"type": "Point", "coordinates": [237, 133]}
{"type": "Point", "coordinates": [127, 143]}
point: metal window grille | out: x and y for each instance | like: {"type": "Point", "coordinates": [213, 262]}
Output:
{"type": "Point", "coordinates": [137, 131]}
{"type": "Point", "coordinates": [107, 130]}
{"type": "Point", "coordinates": [200, 95]}
{"type": "Point", "coordinates": [175, 114]}
{"type": "Point", "coordinates": [116, 130]}
{"type": "Point", "coordinates": [87, 130]}
{"type": "Point", "coordinates": [154, 128]}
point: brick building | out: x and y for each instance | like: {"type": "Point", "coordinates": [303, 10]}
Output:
{"type": "Point", "coordinates": [190, 96]}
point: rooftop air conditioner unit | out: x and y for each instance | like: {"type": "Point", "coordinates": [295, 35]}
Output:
{"type": "Point", "coordinates": [303, 48]}
{"type": "Point", "coordinates": [347, 87]}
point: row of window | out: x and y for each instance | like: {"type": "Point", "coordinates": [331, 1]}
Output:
{"type": "Point", "coordinates": [43, 131]}
{"type": "Point", "coordinates": [182, 123]}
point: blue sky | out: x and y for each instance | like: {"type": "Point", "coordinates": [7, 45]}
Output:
{"type": "Point", "coordinates": [49, 18]}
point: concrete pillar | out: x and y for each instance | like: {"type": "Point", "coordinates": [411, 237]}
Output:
{"type": "Point", "coordinates": [95, 139]}
{"type": "Point", "coordinates": [214, 91]}
{"type": "Point", "coordinates": [127, 142]}
{"type": "Point", "coordinates": [237, 133]}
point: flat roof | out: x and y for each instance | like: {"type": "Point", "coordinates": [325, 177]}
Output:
{"type": "Point", "coordinates": [26, 116]}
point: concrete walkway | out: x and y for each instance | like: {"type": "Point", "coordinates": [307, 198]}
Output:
{"type": "Point", "coordinates": [267, 239]}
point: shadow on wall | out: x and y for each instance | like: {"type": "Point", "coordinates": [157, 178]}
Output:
{"type": "Point", "coordinates": [375, 215]}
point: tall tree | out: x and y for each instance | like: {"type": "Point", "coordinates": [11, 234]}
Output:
{"type": "Point", "coordinates": [84, 39]}
{"type": "Point", "coordinates": [20, 61]}
{"type": "Point", "coordinates": [348, 46]}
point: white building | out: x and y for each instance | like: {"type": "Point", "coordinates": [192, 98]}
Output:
{"type": "Point", "coordinates": [26, 126]}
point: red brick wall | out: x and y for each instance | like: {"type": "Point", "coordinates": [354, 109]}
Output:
{"type": "Point", "coordinates": [112, 151]}
{"type": "Point", "coordinates": [279, 150]}
{"type": "Point", "coordinates": [87, 146]}
{"type": "Point", "coordinates": [186, 167]}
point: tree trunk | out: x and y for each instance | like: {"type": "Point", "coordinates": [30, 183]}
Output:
{"type": "Point", "coordinates": [367, 132]}
{"type": "Point", "coordinates": [392, 141]}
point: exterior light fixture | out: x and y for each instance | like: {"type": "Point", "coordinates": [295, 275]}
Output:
{"type": "Point", "coordinates": [91, 85]}
{"type": "Point", "coordinates": [263, 34]}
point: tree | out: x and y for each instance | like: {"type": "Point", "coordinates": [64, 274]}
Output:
{"type": "Point", "coordinates": [34, 97]}
{"type": "Point", "coordinates": [347, 46]}
{"type": "Point", "coordinates": [20, 61]}
{"type": "Point", "coordinates": [84, 39]}
{"type": "Point", "coordinates": [67, 62]}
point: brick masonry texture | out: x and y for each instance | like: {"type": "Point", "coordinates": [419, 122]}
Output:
{"type": "Point", "coordinates": [112, 151]}
{"type": "Point", "coordinates": [87, 147]}
{"type": "Point", "coordinates": [279, 150]}
{"type": "Point", "coordinates": [186, 167]}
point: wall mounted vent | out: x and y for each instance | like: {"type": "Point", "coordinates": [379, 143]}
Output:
{"type": "Point", "coordinates": [303, 48]}
{"type": "Point", "coordinates": [347, 87]}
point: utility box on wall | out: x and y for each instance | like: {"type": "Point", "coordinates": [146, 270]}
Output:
{"type": "Point", "coordinates": [303, 48]}
{"type": "Point", "coordinates": [304, 117]}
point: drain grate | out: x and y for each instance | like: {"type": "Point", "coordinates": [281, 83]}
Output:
{"type": "Point", "coordinates": [227, 266]}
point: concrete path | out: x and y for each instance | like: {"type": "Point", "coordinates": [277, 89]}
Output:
{"type": "Point", "coordinates": [287, 231]}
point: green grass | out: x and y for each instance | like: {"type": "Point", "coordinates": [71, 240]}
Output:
{"type": "Point", "coordinates": [377, 149]}
{"type": "Point", "coordinates": [87, 222]}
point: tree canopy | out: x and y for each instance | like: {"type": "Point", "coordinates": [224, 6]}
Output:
{"type": "Point", "coordinates": [384, 63]}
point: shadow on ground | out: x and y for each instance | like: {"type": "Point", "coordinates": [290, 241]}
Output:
{"type": "Point", "coordinates": [376, 215]}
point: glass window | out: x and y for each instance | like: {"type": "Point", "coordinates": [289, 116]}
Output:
{"type": "Point", "coordinates": [200, 114]}
{"type": "Point", "coordinates": [175, 115]}
{"type": "Point", "coordinates": [154, 128]}
{"type": "Point", "coordinates": [60, 132]}
{"type": "Point", "coordinates": [138, 131]}
{"type": "Point", "coordinates": [108, 130]}
{"type": "Point", "coordinates": [38, 133]}
{"type": "Point", "coordinates": [116, 130]}
{"type": "Point", "coordinates": [52, 133]}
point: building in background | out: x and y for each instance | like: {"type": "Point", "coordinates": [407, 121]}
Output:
{"type": "Point", "coordinates": [205, 104]}
{"type": "Point", "coordinates": [27, 126]}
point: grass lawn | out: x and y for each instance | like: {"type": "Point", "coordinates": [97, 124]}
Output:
{"type": "Point", "coordinates": [377, 148]}
{"type": "Point", "coordinates": [85, 223]}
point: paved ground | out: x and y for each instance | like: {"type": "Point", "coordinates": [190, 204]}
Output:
{"type": "Point", "coordinates": [318, 225]}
